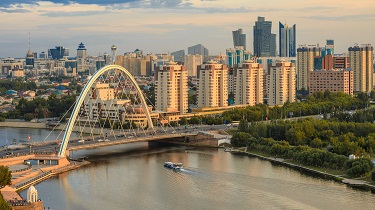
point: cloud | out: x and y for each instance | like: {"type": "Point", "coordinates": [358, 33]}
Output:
{"type": "Point", "coordinates": [12, 10]}
{"type": "Point", "coordinates": [9, 3]}
{"type": "Point", "coordinates": [343, 17]}
{"type": "Point", "coordinates": [73, 14]}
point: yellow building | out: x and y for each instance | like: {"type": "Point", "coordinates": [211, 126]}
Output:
{"type": "Point", "coordinates": [281, 81]}
{"type": "Point", "coordinates": [361, 62]}
{"type": "Point", "coordinates": [171, 93]}
{"type": "Point", "coordinates": [249, 84]}
{"type": "Point", "coordinates": [212, 85]}
{"type": "Point", "coordinates": [336, 80]}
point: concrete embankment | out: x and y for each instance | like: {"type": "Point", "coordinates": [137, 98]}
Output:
{"type": "Point", "coordinates": [22, 124]}
{"type": "Point", "coordinates": [350, 182]}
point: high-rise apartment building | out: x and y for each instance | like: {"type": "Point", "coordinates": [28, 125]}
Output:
{"type": "Point", "coordinates": [341, 61]}
{"type": "Point", "coordinates": [249, 84]}
{"type": "Point", "coordinates": [264, 40]}
{"type": "Point", "coordinates": [191, 62]}
{"type": "Point", "coordinates": [171, 93]}
{"type": "Point", "coordinates": [287, 40]}
{"type": "Point", "coordinates": [281, 83]}
{"type": "Point", "coordinates": [305, 63]}
{"type": "Point", "coordinates": [81, 57]}
{"type": "Point", "coordinates": [239, 38]}
{"type": "Point", "coordinates": [200, 50]}
{"type": "Point", "coordinates": [361, 63]}
{"type": "Point", "coordinates": [212, 85]}
{"type": "Point", "coordinates": [335, 80]}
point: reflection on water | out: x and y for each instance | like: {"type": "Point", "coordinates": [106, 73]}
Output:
{"type": "Point", "coordinates": [133, 177]}
{"type": "Point", "coordinates": [8, 134]}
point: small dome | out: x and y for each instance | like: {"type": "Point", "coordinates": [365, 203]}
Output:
{"type": "Point", "coordinates": [113, 47]}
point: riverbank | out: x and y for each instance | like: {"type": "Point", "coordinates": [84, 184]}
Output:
{"type": "Point", "coordinates": [358, 184]}
{"type": "Point", "coordinates": [23, 124]}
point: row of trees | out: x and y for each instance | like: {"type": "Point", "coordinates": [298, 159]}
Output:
{"type": "Point", "coordinates": [304, 154]}
{"type": "Point", "coordinates": [18, 85]}
{"type": "Point", "coordinates": [41, 108]}
{"type": "Point", "coordinates": [318, 103]}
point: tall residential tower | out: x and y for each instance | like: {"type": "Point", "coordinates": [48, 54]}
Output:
{"type": "Point", "coordinates": [361, 63]}
{"type": "Point", "coordinates": [239, 38]}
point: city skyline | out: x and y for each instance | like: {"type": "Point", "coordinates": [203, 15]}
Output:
{"type": "Point", "coordinates": [168, 25]}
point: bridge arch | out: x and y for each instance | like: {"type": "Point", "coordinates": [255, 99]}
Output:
{"type": "Point", "coordinates": [83, 94]}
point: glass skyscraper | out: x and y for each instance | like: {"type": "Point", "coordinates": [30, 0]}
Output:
{"type": "Point", "coordinates": [239, 38]}
{"type": "Point", "coordinates": [264, 40]}
{"type": "Point", "coordinates": [287, 40]}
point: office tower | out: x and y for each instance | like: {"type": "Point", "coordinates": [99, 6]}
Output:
{"type": "Point", "coordinates": [239, 38]}
{"type": "Point", "coordinates": [171, 93]}
{"type": "Point", "coordinates": [113, 53]}
{"type": "Point", "coordinates": [81, 57]}
{"type": "Point", "coordinates": [191, 62]}
{"type": "Point", "coordinates": [308, 59]}
{"type": "Point", "coordinates": [330, 46]}
{"type": "Point", "coordinates": [264, 40]}
{"type": "Point", "coordinates": [249, 84]}
{"type": "Point", "coordinates": [287, 40]}
{"type": "Point", "coordinates": [281, 83]}
{"type": "Point", "coordinates": [212, 85]}
{"type": "Point", "coordinates": [179, 56]}
{"type": "Point", "coordinates": [58, 53]}
{"type": "Point", "coordinates": [335, 80]}
{"type": "Point", "coordinates": [29, 60]}
{"type": "Point", "coordinates": [200, 50]}
{"type": "Point", "coordinates": [361, 63]}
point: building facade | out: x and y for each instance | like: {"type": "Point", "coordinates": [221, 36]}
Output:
{"type": "Point", "coordinates": [281, 83]}
{"type": "Point", "coordinates": [305, 63]}
{"type": "Point", "coordinates": [171, 87]}
{"type": "Point", "coordinates": [361, 62]}
{"type": "Point", "coordinates": [336, 80]}
{"type": "Point", "coordinates": [239, 38]}
{"type": "Point", "coordinates": [249, 84]}
{"type": "Point", "coordinates": [264, 41]}
{"type": "Point", "coordinates": [191, 62]}
{"type": "Point", "coordinates": [212, 85]}
{"type": "Point", "coordinates": [81, 57]}
{"type": "Point", "coordinates": [200, 50]}
{"type": "Point", "coordinates": [287, 40]}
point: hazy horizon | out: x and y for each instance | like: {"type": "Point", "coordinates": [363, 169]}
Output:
{"type": "Point", "coordinates": [161, 26]}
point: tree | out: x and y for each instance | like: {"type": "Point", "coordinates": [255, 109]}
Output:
{"type": "Point", "coordinates": [243, 126]}
{"type": "Point", "coordinates": [3, 204]}
{"type": "Point", "coordinates": [28, 116]}
{"type": "Point", "coordinates": [183, 121]}
{"type": "Point", "coordinates": [373, 175]}
{"type": "Point", "coordinates": [5, 176]}
{"type": "Point", "coordinates": [240, 139]}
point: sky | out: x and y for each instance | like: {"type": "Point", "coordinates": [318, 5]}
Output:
{"type": "Point", "coordinates": [162, 26]}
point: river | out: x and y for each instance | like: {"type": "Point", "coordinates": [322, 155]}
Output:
{"type": "Point", "coordinates": [133, 177]}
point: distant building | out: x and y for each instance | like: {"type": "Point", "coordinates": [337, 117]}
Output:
{"type": "Point", "coordinates": [361, 62]}
{"type": "Point", "coordinates": [171, 93]}
{"type": "Point", "coordinates": [191, 62]}
{"type": "Point", "coordinates": [179, 56]}
{"type": "Point", "coordinates": [336, 80]}
{"type": "Point", "coordinates": [212, 85]}
{"type": "Point", "coordinates": [81, 57]}
{"type": "Point", "coordinates": [236, 56]}
{"type": "Point", "coordinates": [281, 83]}
{"type": "Point", "coordinates": [43, 55]}
{"type": "Point", "coordinates": [58, 52]}
{"type": "Point", "coordinates": [200, 50]}
{"type": "Point", "coordinates": [239, 38]}
{"type": "Point", "coordinates": [249, 84]}
{"type": "Point", "coordinates": [264, 40]}
{"type": "Point", "coordinates": [287, 40]}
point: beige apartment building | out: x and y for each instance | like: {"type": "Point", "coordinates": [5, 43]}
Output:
{"type": "Point", "coordinates": [305, 64]}
{"type": "Point", "coordinates": [336, 80]}
{"type": "Point", "coordinates": [212, 85]}
{"type": "Point", "coordinates": [191, 62]}
{"type": "Point", "coordinates": [249, 84]}
{"type": "Point", "coordinates": [171, 93]}
{"type": "Point", "coordinates": [281, 83]}
{"type": "Point", "coordinates": [361, 62]}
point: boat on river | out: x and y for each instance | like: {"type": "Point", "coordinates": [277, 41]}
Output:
{"type": "Point", "coordinates": [172, 165]}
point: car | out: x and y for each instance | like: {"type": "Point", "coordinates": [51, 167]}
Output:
{"type": "Point", "coordinates": [120, 135]}
{"type": "Point", "coordinates": [107, 140]}
{"type": "Point", "coordinates": [173, 131]}
{"type": "Point", "coordinates": [100, 140]}
{"type": "Point", "coordinates": [81, 141]}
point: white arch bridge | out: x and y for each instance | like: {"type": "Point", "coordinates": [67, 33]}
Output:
{"type": "Point", "coordinates": [108, 71]}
